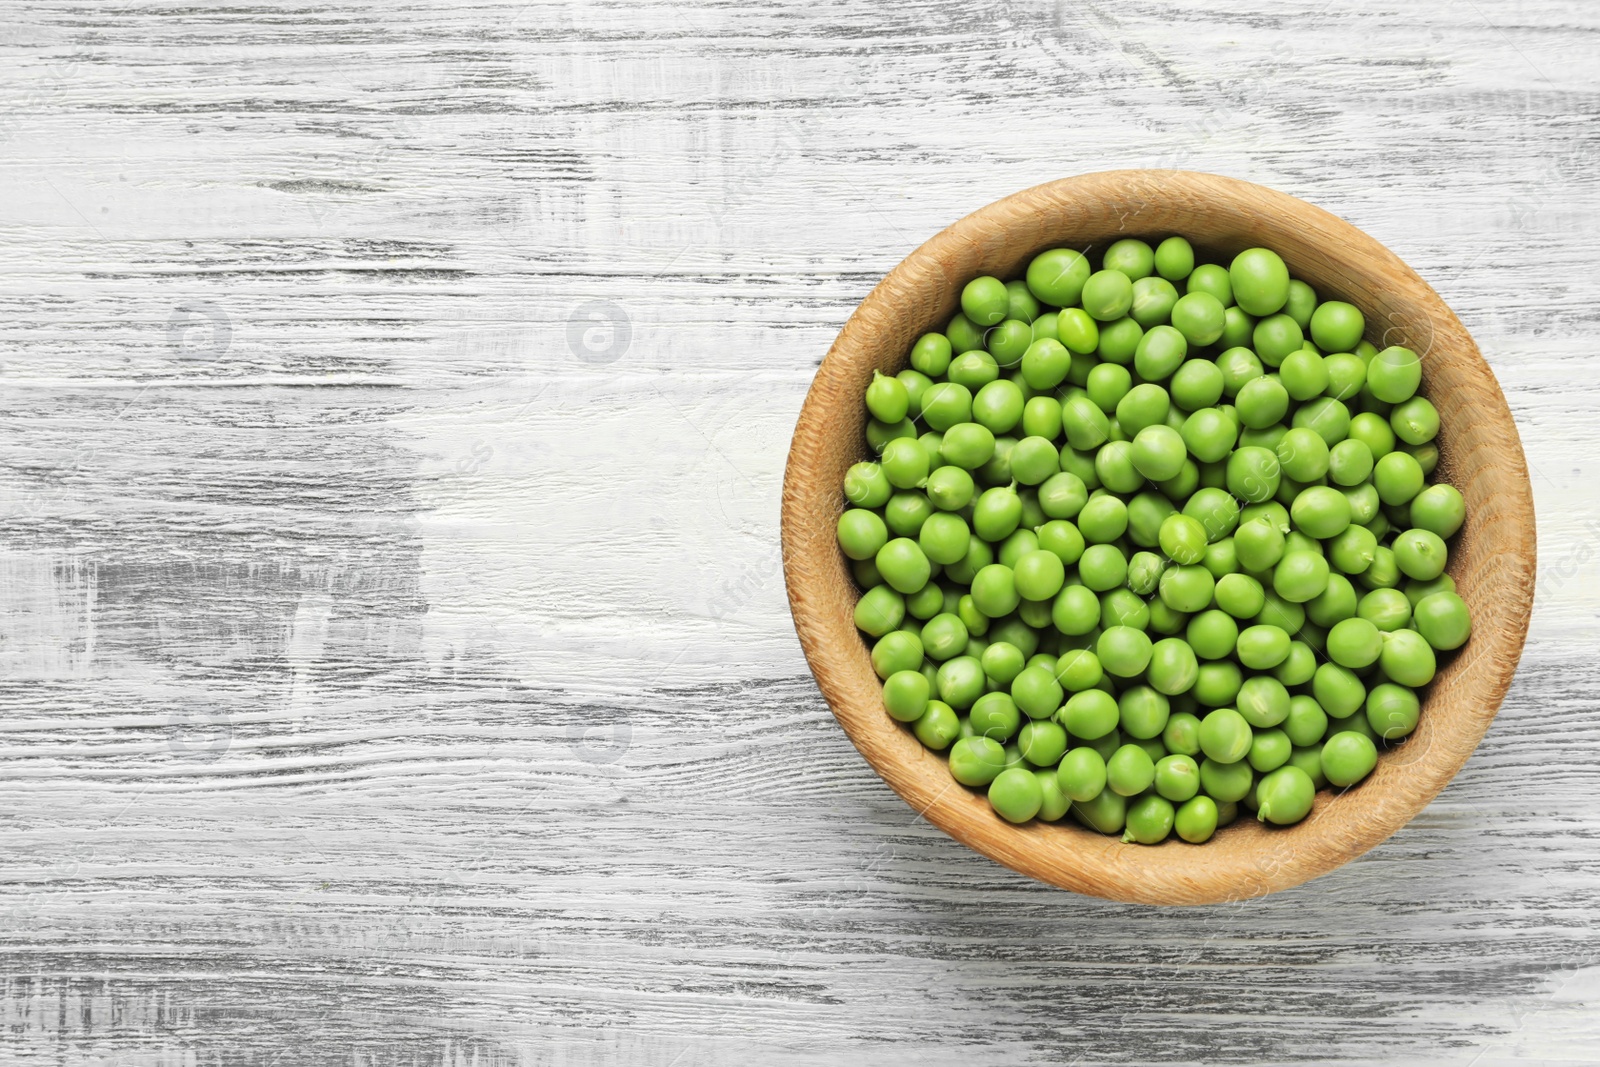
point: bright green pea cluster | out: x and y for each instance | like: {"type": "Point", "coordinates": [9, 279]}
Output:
{"type": "Point", "coordinates": [1152, 542]}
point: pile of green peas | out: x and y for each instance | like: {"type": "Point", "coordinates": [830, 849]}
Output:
{"type": "Point", "coordinates": [1154, 542]}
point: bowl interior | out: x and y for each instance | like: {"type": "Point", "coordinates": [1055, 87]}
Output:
{"type": "Point", "coordinates": [1492, 559]}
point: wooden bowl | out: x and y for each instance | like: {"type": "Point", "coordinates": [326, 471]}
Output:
{"type": "Point", "coordinates": [1491, 560]}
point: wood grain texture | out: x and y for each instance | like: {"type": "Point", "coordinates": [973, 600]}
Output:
{"type": "Point", "coordinates": [1492, 558]}
{"type": "Point", "coordinates": [391, 677]}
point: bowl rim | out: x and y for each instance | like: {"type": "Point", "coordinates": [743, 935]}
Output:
{"type": "Point", "coordinates": [922, 287]}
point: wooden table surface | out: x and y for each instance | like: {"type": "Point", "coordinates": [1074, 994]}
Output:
{"type": "Point", "coordinates": [395, 654]}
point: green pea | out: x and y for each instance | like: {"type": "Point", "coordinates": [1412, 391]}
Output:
{"type": "Point", "coordinates": [1398, 478]}
{"type": "Point", "coordinates": [1347, 758]}
{"type": "Point", "coordinates": [1387, 609]}
{"type": "Point", "coordinates": [1199, 317]}
{"type": "Point", "coordinates": [926, 602]}
{"type": "Point", "coordinates": [985, 300]}
{"type": "Point", "coordinates": [861, 533]}
{"type": "Point", "coordinates": [1298, 666]}
{"type": "Point", "coordinates": [1327, 416]}
{"type": "Point", "coordinates": [1443, 621]}
{"type": "Point", "coordinates": [973, 370]}
{"type": "Point", "coordinates": [1407, 658]}
{"type": "Point", "coordinates": [904, 463]}
{"type": "Point", "coordinates": [1306, 722]}
{"type": "Point", "coordinates": [997, 513]}
{"type": "Point", "coordinates": [1320, 512]}
{"type": "Point", "coordinates": [1196, 385]}
{"type": "Point", "coordinates": [1262, 402]}
{"type": "Point", "coordinates": [1141, 406]}
{"type": "Point", "coordinates": [1299, 576]}
{"type": "Point", "coordinates": [1309, 759]}
{"type": "Point", "coordinates": [1187, 588]}
{"type": "Point", "coordinates": [1347, 374]}
{"type": "Point", "coordinates": [1225, 735]}
{"type": "Point", "coordinates": [1260, 281]}
{"type": "Point", "coordinates": [1301, 303]}
{"type": "Point", "coordinates": [1337, 326]}
{"type": "Point", "coordinates": [1211, 278]}
{"type": "Point", "coordinates": [964, 334]}
{"type": "Point", "coordinates": [896, 651]}
{"type": "Point", "coordinates": [1102, 567]}
{"type": "Point", "coordinates": [931, 354]}
{"type": "Point", "coordinates": [1085, 425]}
{"type": "Point", "coordinates": [1174, 259]}
{"type": "Point", "coordinates": [1353, 550]}
{"type": "Point", "coordinates": [1082, 774]}
{"type": "Point", "coordinates": [1196, 820]}
{"type": "Point", "coordinates": [1259, 543]}
{"type": "Point", "coordinates": [1076, 609]}
{"type": "Point", "coordinates": [960, 681]}
{"type": "Point", "coordinates": [1302, 454]}
{"type": "Point", "coordinates": [1415, 421]}
{"type": "Point", "coordinates": [1275, 337]}
{"type": "Point", "coordinates": [1090, 714]}
{"type": "Point", "coordinates": [1131, 256]}
{"type": "Point", "coordinates": [1212, 634]}
{"type": "Point", "coordinates": [1217, 684]}
{"type": "Point", "coordinates": [1182, 734]}
{"type": "Point", "coordinates": [1173, 668]}
{"type": "Point", "coordinates": [879, 610]}
{"type": "Point", "coordinates": [1355, 643]}
{"type": "Point", "coordinates": [1143, 713]}
{"type": "Point", "coordinates": [938, 726]}
{"type": "Point", "coordinates": [997, 407]}
{"type": "Point", "coordinates": [903, 565]}
{"type": "Point", "coordinates": [976, 760]}
{"type": "Point", "coordinates": [866, 486]}
{"type": "Point", "coordinates": [1383, 573]}
{"type": "Point", "coordinates": [1238, 329]}
{"type": "Point", "coordinates": [1158, 452]}
{"type": "Point", "coordinates": [1149, 820]}
{"type": "Point", "coordinates": [1392, 711]}
{"type": "Point", "coordinates": [1338, 690]}
{"type": "Point", "coordinates": [1438, 509]}
{"type": "Point", "coordinates": [1420, 554]}
{"type": "Point", "coordinates": [1269, 750]}
{"type": "Point", "coordinates": [1153, 299]}
{"type": "Point", "coordinates": [1239, 367]}
{"type": "Point", "coordinates": [1130, 771]}
{"type": "Point", "coordinates": [1262, 647]}
{"type": "Point", "coordinates": [1103, 519]}
{"type": "Point", "coordinates": [1209, 434]}
{"type": "Point", "coordinates": [1226, 782]}
{"type": "Point", "coordinates": [906, 512]}
{"type": "Point", "coordinates": [1057, 276]}
{"type": "Point", "coordinates": [1042, 743]}
{"type": "Point", "coordinates": [1349, 462]}
{"type": "Point", "coordinates": [1144, 572]}
{"type": "Point", "coordinates": [887, 398]}
{"type": "Point", "coordinates": [995, 715]}
{"type": "Point", "coordinates": [945, 404]}
{"type": "Point", "coordinates": [1107, 295]}
{"type": "Point", "coordinates": [1183, 539]}
{"type": "Point", "coordinates": [1039, 575]}
{"type": "Point", "coordinates": [1253, 474]}
{"type": "Point", "coordinates": [945, 636]}
{"type": "Point", "coordinates": [1177, 777]}
{"type": "Point", "coordinates": [1427, 456]}
{"type": "Point", "coordinates": [1364, 502]}
{"type": "Point", "coordinates": [1123, 651]}
{"type": "Point", "coordinates": [1106, 812]}
{"type": "Point", "coordinates": [1262, 701]}
{"type": "Point", "coordinates": [1285, 796]}
{"type": "Point", "coordinates": [1036, 692]}
{"type": "Point", "coordinates": [1394, 374]}
{"type": "Point", "coordinates": [905, 695]}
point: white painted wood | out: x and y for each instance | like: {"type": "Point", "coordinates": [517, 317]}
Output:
{"type": "Point", "coordinates": [393, 676]}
